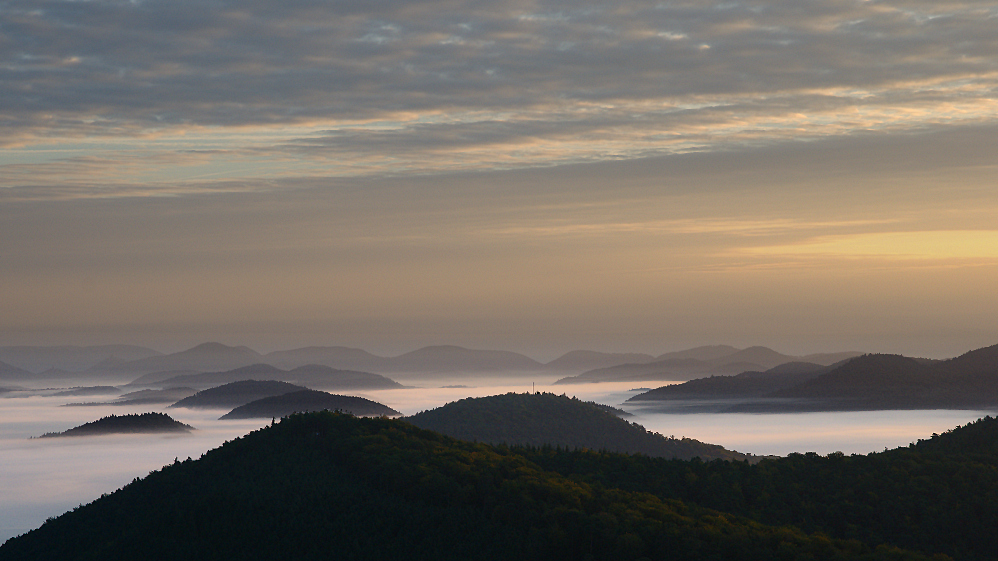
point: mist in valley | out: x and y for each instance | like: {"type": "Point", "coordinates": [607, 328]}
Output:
{"type": "Point", "coordinates": [42, 478]}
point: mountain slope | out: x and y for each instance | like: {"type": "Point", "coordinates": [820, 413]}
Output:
{"type": "Point", "coordinates": [548, 419]}
{"type": "Point", "coordinates": [323, 485]}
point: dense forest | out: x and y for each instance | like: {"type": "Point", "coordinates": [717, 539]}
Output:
{"type": "Point", "coordinates": [327, 485]}
{"type": "Point", "coordinates": [113, 424]}
{"type": "Point", "coordinates": [936, 495]}
{"type": "Point", "coordinates": [548, 419]}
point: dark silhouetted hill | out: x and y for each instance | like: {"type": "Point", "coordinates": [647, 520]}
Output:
{"type": "Point", "coordinates": [117, 424]}
{"type": "Point", "coordinates": [308, 400]}
{"type": "Point", "coordinates": [325, 485]}
{"type": "Point", "coordinates": [235, 394]}
{"type": "Point", "coordinates": [548, 419]}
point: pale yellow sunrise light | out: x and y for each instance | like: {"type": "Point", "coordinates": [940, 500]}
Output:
{"type": "Point", "coordinates": [939, 244]}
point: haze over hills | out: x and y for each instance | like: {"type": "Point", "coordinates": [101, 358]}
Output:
{"type": "Point", "coordinates": [304, 401]}
{"type": "Point", "coordinates": [548, 419]}
{"type": "Point", "coordinates": [204, 357]}
{"type": "Point", "coordinates": [144, 397]}
{"type": "Point", "coordinates": [152, 367]}
{"type": "Point", "coordinates": [581, 361]}
{"type": "Point", "coordinates": [69, 357]}
{"type": "Point", "coordinates": [312, 375]}
{"type": "Point", "coordinates": [9, 372]}
{"type": "Point", "coordinates": [685, 365]}
{"type": "Point", "coordinates": [868, 382]}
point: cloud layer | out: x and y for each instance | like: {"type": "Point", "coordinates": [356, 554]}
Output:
{"type": "Point", "coordinates": [105, 95]}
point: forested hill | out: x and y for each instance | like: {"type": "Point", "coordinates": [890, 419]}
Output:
{"type": "Point", "coordinates": [326, 485]}
{"type": "Point", "coordinates": [235, 394]}
{"type": "Point", "coordinates": [308, 400]}
{"type": "Point", "coordinates": [114, 424]}
{"type": "Point", "coordinates": [937, 495]}
{"type": "Point", "coordinates": [548, 419]}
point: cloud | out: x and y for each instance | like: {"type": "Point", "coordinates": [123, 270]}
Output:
{"type": "Point", "coordinates": [388, 87]}
{"type": "Point", "coordinates": [974, 246]}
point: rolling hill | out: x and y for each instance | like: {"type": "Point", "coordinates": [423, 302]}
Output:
{"type": "Point", "coordinates": [546, 419]}
{"type": "Point", "coordinates": [304, 401]}
{"type": "Point", "coordinates": [125, 424]}
{"type": "Point", "coordinates": [235, 394]}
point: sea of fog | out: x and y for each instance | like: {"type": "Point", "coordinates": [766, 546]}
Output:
{"type": "Point", "coordinates": [40, 478]}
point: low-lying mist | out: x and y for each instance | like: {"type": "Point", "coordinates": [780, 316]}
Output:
{"type": "Point", "coordinates": [46, 477]}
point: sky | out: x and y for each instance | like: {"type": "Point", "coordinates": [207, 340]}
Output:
{"type": "Point", "coordinates": [539, 176]}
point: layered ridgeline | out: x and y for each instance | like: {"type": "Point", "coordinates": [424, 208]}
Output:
{"type": "Point", "coordinates": [306, 400]}
{"type": "Point", "coordinates": [701, 362]}
{"type": "Point", "coordinates": [324, 485]}
{"type": "Point", "coordinates": [128, 424]}
{"type": "Point", "coordinates": [545, 419]}
{"type": "Point", "coordinates": [868, 382]}
{"type": "Point", "coordinates": [312, 375]}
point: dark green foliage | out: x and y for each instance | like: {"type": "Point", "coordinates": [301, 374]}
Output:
{"type": "Point", "coordinates": [937, 495]}
{"type": "Point", "coordinates": [548, 419]}
{"type": "Point", "coordinates": [308, 400]}
{"type": "Point", "coordinates": [332, 486]}
{"type": "Point", "coordinates": [146, 422]}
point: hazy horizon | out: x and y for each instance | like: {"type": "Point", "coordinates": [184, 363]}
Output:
{"type": "Point", "coordinates": [536, 176]}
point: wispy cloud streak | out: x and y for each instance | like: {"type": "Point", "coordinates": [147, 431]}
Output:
{"type": "Point", "coordinates": [274, 90]}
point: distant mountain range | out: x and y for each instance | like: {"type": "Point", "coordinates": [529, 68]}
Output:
{"type": "Point", "coordinates": [868, 382]}
{"type": "Point", "coordinates": [700, 362]}
{"type": "Point", "coordinates": [313, 375]}
{"type": "Point", "coordinates": [70, 358]}
{"type": "Point", "coordinates": [122, 361]}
